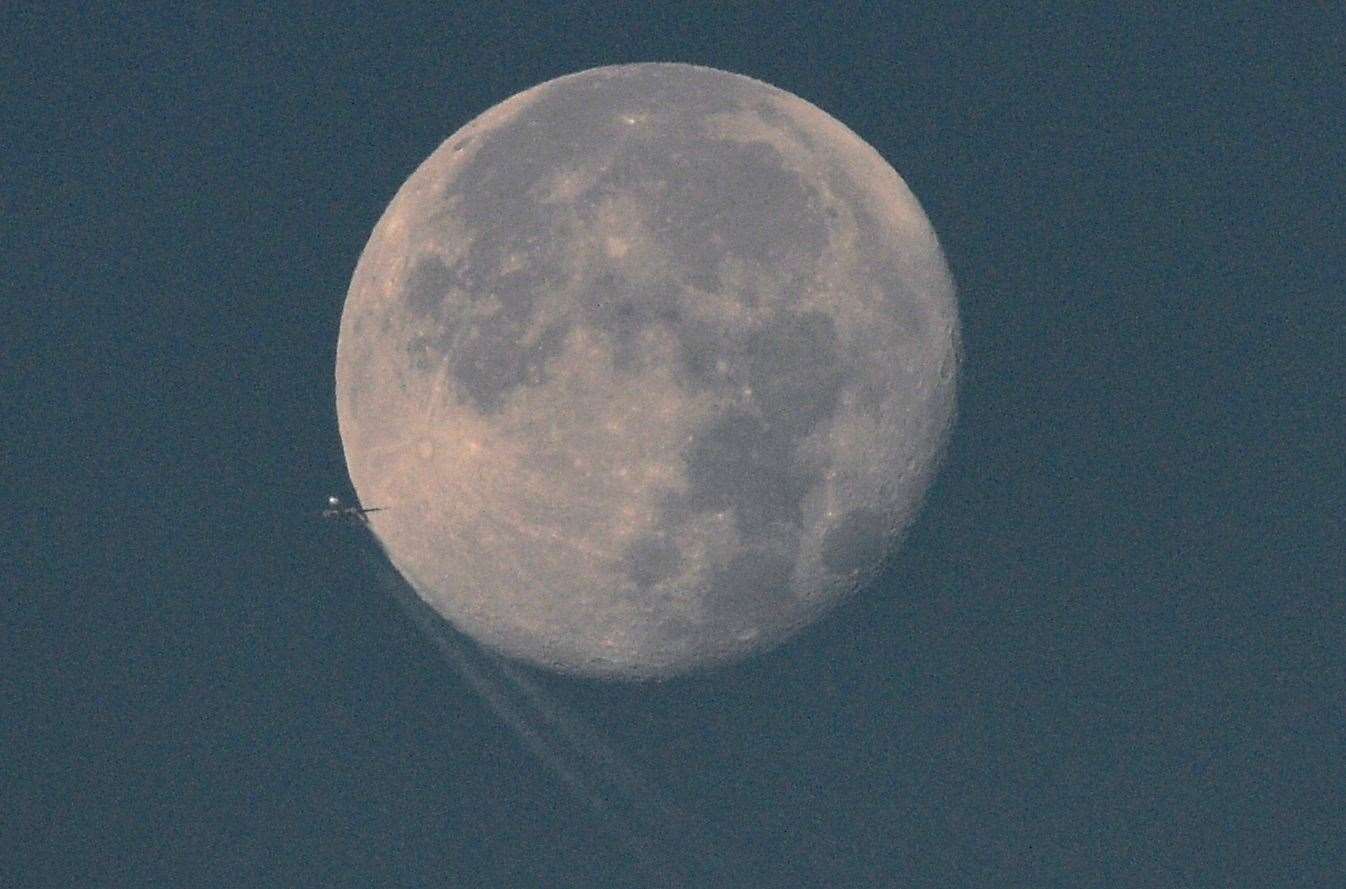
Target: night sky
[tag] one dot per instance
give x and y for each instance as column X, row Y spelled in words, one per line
column 1112, row 651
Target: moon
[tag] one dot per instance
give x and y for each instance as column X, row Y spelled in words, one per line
column 648, row 367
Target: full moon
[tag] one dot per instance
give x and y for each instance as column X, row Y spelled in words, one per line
column 648, row 367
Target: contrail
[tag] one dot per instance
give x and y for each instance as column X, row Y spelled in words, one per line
column 457, row 654
column 627, row 804
column 631, row 786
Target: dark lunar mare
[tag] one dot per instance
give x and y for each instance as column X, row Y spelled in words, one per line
column 701, row 228
column 745, row 462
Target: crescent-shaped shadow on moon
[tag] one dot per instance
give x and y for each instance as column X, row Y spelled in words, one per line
column 649, row 366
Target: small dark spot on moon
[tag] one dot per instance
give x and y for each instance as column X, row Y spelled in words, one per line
column 623, row 309
column 857, row 543
column 767, row 113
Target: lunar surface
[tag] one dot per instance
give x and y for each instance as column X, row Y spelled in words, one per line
column 648, row 366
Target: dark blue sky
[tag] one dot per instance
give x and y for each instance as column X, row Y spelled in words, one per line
column 1112, row 652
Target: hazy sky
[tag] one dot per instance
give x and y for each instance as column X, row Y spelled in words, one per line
column 1112, row 652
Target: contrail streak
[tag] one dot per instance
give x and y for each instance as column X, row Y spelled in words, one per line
column 628, row 805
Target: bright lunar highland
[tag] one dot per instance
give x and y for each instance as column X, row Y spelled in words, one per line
column 647, row 366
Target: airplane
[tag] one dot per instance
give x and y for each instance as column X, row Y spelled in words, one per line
column 335, row 510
